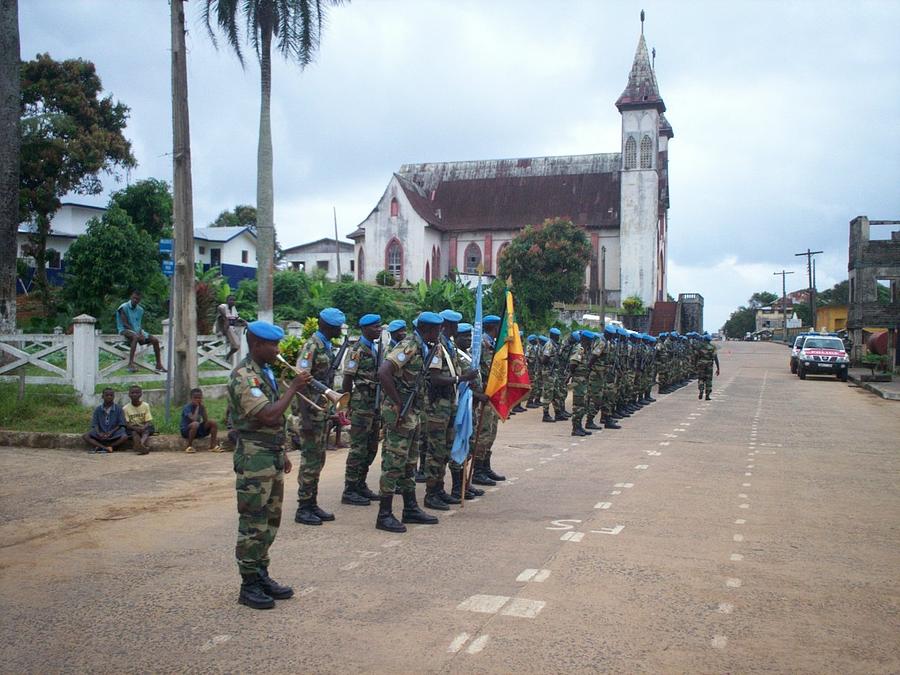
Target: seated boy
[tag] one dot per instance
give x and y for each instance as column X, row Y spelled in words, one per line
column 138, row 420
column 107, row 425
column 195, row 423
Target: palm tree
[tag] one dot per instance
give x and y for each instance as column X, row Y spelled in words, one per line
column 296, row 27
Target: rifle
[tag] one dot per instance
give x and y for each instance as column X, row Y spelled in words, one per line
column 335, row 362
column 376, row 423
column 417, row 384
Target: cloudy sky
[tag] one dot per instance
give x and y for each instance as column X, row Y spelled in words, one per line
column 785, row 113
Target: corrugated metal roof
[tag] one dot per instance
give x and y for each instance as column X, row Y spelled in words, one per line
column 221, row 234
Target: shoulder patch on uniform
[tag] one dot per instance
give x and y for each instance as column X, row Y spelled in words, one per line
column 351, row 364
column 304, row 363
column 256, row 392
column 401, row 357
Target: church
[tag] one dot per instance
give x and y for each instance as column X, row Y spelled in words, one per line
column 443, row 219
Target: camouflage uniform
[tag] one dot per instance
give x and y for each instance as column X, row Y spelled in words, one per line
column 551, row 377
column 258, row 464
column 401, row 442
column 533, row 361
column 487, row 430
column 362, row 364
column 704, row 359
column 597, row 380
column 440, row 412
column 580, row 374
column 311, row 425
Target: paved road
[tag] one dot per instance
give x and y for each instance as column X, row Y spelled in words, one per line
column 756, row 532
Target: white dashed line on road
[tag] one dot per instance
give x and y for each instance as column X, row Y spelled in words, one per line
column 458, row 643
column 735, row 557
column 733, row 582
column 478, row 644
column 573, row 537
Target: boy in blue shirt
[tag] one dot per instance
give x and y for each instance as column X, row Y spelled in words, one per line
column 107, row 425
column 195, row 423
column 128, row 324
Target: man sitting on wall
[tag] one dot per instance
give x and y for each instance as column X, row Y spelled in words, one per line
column 227, row 323
column 128, row 324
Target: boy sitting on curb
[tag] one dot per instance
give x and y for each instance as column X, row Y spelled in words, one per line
column 107, row 425
column 195, row 423
column 138, row 420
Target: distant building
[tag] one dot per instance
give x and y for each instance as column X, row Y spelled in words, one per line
column 770, row 318
column 322, row 255
column 442, row 219
column 232, row 249
column 831, row 318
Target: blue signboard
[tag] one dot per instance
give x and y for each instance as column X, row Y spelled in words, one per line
column 168, row 267
column 165, row 246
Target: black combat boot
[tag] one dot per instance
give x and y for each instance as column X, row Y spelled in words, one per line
column 352, row 496
column 700, row 395
column 493, row 475
column 707, row 397
column 559, row 415
column 533, row 404
column 272, row 587
column 518, row 408
column 363, row 490
column 432, row 498
column 456, row 486
column 649, row 398
column 591, row 424
column 610, row 423
column 305, row 514
column 565, row 413
column 480, row 477
column 412, row 513
column 253, row 594
column 323, row 515
column 444, row 495
column 547, row 417
column 577, row 429
column 385, row 520
column 419, row 476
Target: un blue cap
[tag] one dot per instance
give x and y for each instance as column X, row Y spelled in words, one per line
column 663, row 335
column 333, row 316
column 429, row 319
column 464, row 328
column 554, row 331
column 369, row 319
column 396, row 325
column 576, row 334
column 451, row 315
column 543, row 338
column 589, row 334
column 490, row 318
column 531, row 337
column 609, row 329
column 265, row 330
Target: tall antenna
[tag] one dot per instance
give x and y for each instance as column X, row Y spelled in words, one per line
column 642, row 22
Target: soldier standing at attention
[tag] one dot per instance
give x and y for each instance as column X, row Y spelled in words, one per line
column 397, row 329
column 484, row 474
column 402, row 377
column 707, row 354
column 531, row 361
column 361, row 379
column 549, row 368
column 463, row 343
column 260, row 461
column 580, row 369
column 317, row 356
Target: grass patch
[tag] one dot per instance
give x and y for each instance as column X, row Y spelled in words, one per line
column 55, row 409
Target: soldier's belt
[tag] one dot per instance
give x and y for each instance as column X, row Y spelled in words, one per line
column 262, row 437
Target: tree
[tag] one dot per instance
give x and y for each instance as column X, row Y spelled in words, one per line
column 10, row 139
column 106, row 263
column 149, row 205
column 741, row 322
column 546, row 263
column 242, row 215
column 296, row 26
column 633, row 306
column 69, row 136
column 839, row 294
column 762, row 299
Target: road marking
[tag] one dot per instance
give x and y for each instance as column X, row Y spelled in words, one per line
column 748, row 474
column 530, row 468
column 306, row 591
column 537, row 576
column 725, row 608
column 616, row 492
column 389, row 544
column 745, row 484
column 485, row 604
column 627, row 486
column 733, row 582
column 555, row 455
column 642, row 467
column 215, row 641
column 574, row 537
column 350, row 565
column 685, row 424
column 665, row 443
column 742, row 496
column 478, row 644
column 738, row 537
column 369, row 554
column 561, row 524
column 565, row 449
column 450, row 513
column 523, row 608
column 679, row 430
column 719, row 642
column 740, row 521
column 671, row 435
column 750, row 466
column 541, row 576
column 735, row 557
column 744, row 506
column 458, row 642
column 609, row 530
column 653, row 453
column 493, row 489
column 602, row 505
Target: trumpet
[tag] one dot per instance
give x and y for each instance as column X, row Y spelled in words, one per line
column 339, row 401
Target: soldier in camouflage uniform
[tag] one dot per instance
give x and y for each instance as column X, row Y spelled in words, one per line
column 531, row 360
column 361, row 378
column 579, row 366
column 551, row 375
column 706, row 356
column 402, row 379
column 317, row 355
column 486, row 432
column 463, row 343
column 260, row 461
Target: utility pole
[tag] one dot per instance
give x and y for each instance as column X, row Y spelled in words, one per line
column 337, row 244
column 184, row 354
column 603, row 285
column 812, row 290
column 783, row 274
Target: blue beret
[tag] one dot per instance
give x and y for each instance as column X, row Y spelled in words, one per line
column 429, row 319
column 609, row 329
column 369, row 319
column 589, row 334
column 554, row 331
column 576, row 334
column 396, row 325
column 663, row 335
column 543, row 338
column 490, row 318
column 265, row 330
column 333, row 316
column 464, row 328
column 531, row 337
column 450, row 315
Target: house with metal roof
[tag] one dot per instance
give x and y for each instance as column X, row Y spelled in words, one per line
column 442, row 219
column 333, row 258
column 232, row 249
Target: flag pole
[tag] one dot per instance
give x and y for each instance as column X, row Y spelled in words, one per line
column 469, row 465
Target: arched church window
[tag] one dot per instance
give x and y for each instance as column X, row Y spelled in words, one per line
column 646, row 153
column 361, row 265
column 393, row 259
column 500, row 252
column 472, row 258
column 427, row 272
column 630, row 153
column 395, row 208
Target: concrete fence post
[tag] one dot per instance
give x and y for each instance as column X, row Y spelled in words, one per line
column 295, row 328
column 84, row 355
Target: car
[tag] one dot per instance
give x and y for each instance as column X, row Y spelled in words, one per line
column 822, row 355
column 795, row 349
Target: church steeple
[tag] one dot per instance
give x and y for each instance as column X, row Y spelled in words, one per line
column 641, row 90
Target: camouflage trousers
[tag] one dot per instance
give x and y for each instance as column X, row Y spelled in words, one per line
column 363, row 445
column 438, row 439
column 487, row 433
column 312, row 459
column 580, row 397
column 260, row 493
column 598, row 394
column 400, row 451
column 554, row 391
column 705, row 379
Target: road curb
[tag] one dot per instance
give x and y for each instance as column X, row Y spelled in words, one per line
column 50, row 441
column 874, row 388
